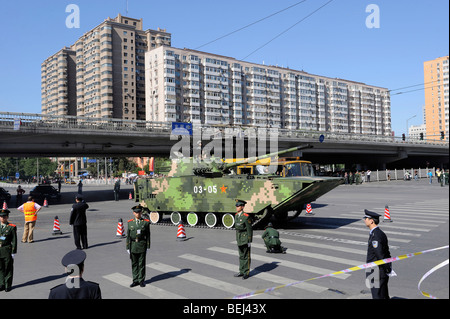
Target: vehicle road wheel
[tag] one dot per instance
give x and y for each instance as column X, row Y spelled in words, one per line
column 228, row 220
column 192, row 219
column 211, row 220
column 175, row 218
column 154, row 217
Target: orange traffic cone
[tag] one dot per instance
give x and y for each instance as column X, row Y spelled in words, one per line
column 387, row 215
column 130, row 196
column 45, row 202
column 56, row 228
column 309, row 210
column 5, row 206
column 120, row 233
column 181, row 234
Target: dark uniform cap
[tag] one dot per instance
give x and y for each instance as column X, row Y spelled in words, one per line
column 240, row 202
column 369, row 214
column 137, row 209
column 75, row 257
column 4, row 212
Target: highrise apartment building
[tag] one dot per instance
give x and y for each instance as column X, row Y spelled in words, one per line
column 192, row 86
column 58, row 79
column 102, row 74
column 436, row 97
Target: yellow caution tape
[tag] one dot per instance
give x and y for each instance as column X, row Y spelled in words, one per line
column 345, row 271
column 432, row 270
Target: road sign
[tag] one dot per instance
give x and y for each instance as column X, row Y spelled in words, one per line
column 321, row 138
column 181, row 128
column 17, row 123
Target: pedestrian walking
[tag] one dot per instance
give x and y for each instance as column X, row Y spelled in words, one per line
column 75, row 287
column 377, row 249
column 78, row 221
column 30, row 210
column 8, row 249
column 116, row 190
column 430, row 176
column 368, row 175
column 80, row 187
column 20, row 191
column 244, row 236
column 137, row 245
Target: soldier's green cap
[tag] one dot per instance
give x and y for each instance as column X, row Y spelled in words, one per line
column 137, row 209
column 240, row 202
column 4, row 212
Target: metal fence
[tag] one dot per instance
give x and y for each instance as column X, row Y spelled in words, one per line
column 399, row 174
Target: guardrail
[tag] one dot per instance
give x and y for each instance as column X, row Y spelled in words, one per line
column 44, row 121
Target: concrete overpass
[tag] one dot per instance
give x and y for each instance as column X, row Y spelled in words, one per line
column 38, row 135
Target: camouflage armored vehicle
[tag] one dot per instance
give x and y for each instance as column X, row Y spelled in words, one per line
column 198, row 193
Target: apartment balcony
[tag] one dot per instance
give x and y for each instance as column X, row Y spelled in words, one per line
column 194, row 95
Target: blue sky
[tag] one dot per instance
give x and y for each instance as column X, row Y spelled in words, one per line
column 333, row 42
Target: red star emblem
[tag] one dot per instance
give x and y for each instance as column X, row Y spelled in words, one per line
column 223, row 189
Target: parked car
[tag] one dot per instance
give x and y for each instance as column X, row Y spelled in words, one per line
column 4, row 196
column 42, row 192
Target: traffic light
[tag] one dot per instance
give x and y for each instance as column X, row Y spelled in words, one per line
column 403, row 137
column 421, row 136
column 442, row 135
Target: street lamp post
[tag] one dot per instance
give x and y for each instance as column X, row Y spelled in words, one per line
column 407, row 128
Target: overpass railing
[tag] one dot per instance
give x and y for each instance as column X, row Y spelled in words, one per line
column 54, row 122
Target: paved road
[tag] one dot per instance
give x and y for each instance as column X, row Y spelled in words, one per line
column 335, row 238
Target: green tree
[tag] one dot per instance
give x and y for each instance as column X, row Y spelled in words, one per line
column 29, row 167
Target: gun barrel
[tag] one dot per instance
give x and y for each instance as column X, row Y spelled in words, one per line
column 257, row 158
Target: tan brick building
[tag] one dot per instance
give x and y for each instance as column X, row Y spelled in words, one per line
column 436, row 97
column 101, row 74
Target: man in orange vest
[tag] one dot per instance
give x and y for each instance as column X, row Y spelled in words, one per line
column 30, row 210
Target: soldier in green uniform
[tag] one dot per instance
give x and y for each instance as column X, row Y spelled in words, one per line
column 244, row 236
column 271, row 239
column 8, row 248
column 137, row 244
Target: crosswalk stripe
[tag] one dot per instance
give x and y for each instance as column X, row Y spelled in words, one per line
column 420, row 213
column 366, row 236
column 285, row 263
column 391, row 225
column 254, row 273
column 423, row 222
column 405, row 212
column 364, row 229
column 323, row 246
column 149, row 291
column 347, row 262
column 200, row 279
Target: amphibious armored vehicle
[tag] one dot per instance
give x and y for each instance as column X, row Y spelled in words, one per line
column 202, row 193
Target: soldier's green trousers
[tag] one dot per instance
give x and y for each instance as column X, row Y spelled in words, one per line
column 138, row 266
column 244, row 259
column 6, row 271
